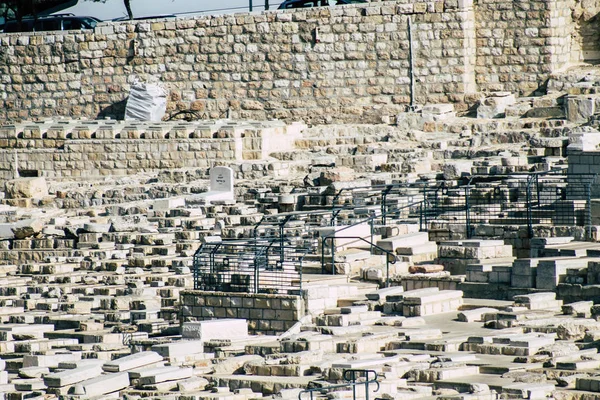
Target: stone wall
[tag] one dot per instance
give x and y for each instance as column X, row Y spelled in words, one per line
column 265, row 313
column 101, row 148
column 519, row 43
column 346, row 63
column 586, row 36
column 342, row 64
column 586, row 163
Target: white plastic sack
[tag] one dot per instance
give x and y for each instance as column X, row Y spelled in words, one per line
column 146, row 102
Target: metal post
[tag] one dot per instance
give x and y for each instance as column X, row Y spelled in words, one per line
column 425, row 211
column 371, row 226
column 537, row 189
column 467, row 216
column 323, row 255
column 383, row 207
column 266, row 4
column 333, row 256
column 195, row 269
column 387, row 271
column 250, row 5
column 281, row 242
column 589, row 210
column 529, row 212
column 256, row 274
column 412, row 64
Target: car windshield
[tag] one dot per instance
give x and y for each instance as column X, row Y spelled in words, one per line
column 91, row 22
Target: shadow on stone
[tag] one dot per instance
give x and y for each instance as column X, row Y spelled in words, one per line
column 114, row 111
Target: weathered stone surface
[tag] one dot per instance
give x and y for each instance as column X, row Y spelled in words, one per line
column 337, row 174
column 575, row 330
column 26, row 228
column 217, row 329
column 72, row 376
column 103, row 384
column 136, row 360
column 26, row 188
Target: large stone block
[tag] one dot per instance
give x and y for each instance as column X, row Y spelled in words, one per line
column 495, row 105
column 179, row 349
column 26, row 188
column 580, row 108
column 136, row 360
column 215, row 329
column 103, row 384
column 72, row 376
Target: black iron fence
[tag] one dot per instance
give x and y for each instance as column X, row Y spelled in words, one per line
column 249, row 267
column 360, row 381
column 271, row 261
column 555, row 199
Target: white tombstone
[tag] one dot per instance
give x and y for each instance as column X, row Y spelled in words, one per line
column 221, row 179
column 221, row 186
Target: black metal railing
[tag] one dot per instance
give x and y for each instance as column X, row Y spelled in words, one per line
column 271, row 261
column 262, row 266
column 518, row 199
column 341, row 233
column 369, row 197
column 355, row 379
column 298, row 228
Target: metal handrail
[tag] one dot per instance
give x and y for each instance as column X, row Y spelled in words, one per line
column 287, row 216
column 352, row 383
column 375, row 216
column 387, row 252
column 526, row 174
column 369, row 219
column 335, row 210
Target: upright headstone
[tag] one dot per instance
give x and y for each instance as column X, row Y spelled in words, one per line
column 221, row 179
column 221, row 186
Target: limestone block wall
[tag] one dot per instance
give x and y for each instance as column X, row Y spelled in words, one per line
column 519, row 43
column 584, row 162
column 330, row 64
column 586, row 36
column 96, row 149
column 265, row 313
column 587, row 163
column 342, row 64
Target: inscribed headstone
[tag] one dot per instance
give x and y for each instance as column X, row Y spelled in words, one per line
column 221, row 179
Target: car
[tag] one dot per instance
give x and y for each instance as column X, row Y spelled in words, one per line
column 287, row 4
column 56, row 22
